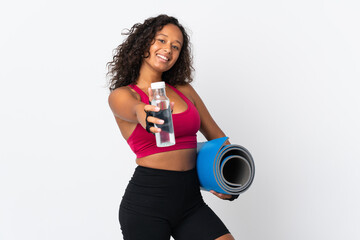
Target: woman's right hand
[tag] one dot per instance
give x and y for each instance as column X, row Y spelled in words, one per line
column 152, row 108
column 152, row 120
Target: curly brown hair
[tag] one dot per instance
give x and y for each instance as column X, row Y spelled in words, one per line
column 128, row 56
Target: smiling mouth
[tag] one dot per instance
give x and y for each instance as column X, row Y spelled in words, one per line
column 162, row 57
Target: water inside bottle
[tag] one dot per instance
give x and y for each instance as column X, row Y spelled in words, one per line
column 166, row 136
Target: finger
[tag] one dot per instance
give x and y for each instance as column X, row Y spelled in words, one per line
column 215, row 193
column 151, row 94
column 151, row 108
column 155, row 129
column 172, row 106
column 155, row 120
column 226, row 196
column 221, row 195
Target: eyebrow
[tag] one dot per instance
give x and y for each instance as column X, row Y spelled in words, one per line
column 168, row 36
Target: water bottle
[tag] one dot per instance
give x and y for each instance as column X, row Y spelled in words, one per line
column 166, row 137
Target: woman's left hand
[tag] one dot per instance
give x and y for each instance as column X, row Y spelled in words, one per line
column 221, row 195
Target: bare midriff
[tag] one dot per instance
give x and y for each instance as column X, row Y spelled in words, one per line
column 177, row 160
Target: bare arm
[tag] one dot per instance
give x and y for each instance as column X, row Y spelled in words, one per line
column 126, row 106
column 208, row 127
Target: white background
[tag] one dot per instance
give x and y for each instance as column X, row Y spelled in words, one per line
column 280, row 78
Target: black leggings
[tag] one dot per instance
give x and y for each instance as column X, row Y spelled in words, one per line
column 158, row 204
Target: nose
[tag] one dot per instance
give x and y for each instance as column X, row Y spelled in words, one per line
column 167, row 48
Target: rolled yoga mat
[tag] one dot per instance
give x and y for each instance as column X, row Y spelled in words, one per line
column 224, row 168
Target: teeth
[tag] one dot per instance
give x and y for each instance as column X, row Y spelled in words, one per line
column 163, row 57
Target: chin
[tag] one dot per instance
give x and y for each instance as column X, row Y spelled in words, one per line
column 162, row 69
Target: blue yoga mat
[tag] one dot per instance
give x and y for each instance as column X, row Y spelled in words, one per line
column 224, row 168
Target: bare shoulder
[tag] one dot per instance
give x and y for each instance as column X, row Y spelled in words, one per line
column 122, row 94
column 188, row 91
column 185, row 88
column 123, row 102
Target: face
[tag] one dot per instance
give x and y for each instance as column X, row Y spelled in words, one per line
column 165, row 49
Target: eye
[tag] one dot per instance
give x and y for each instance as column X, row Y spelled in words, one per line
column 161, row 40
column 175, row 47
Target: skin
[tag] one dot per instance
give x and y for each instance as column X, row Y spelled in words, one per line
column 129, row 110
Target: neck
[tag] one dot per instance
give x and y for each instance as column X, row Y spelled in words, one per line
column 147, row 76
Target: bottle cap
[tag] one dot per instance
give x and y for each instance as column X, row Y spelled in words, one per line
column 157, row 85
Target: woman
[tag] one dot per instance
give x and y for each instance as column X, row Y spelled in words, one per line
column 163, row 198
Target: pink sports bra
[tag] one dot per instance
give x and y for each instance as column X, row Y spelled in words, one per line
column 186, row 125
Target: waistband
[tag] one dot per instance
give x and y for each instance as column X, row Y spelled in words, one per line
column 163, row 172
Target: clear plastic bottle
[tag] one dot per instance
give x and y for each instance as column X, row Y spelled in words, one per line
column 166, row 137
